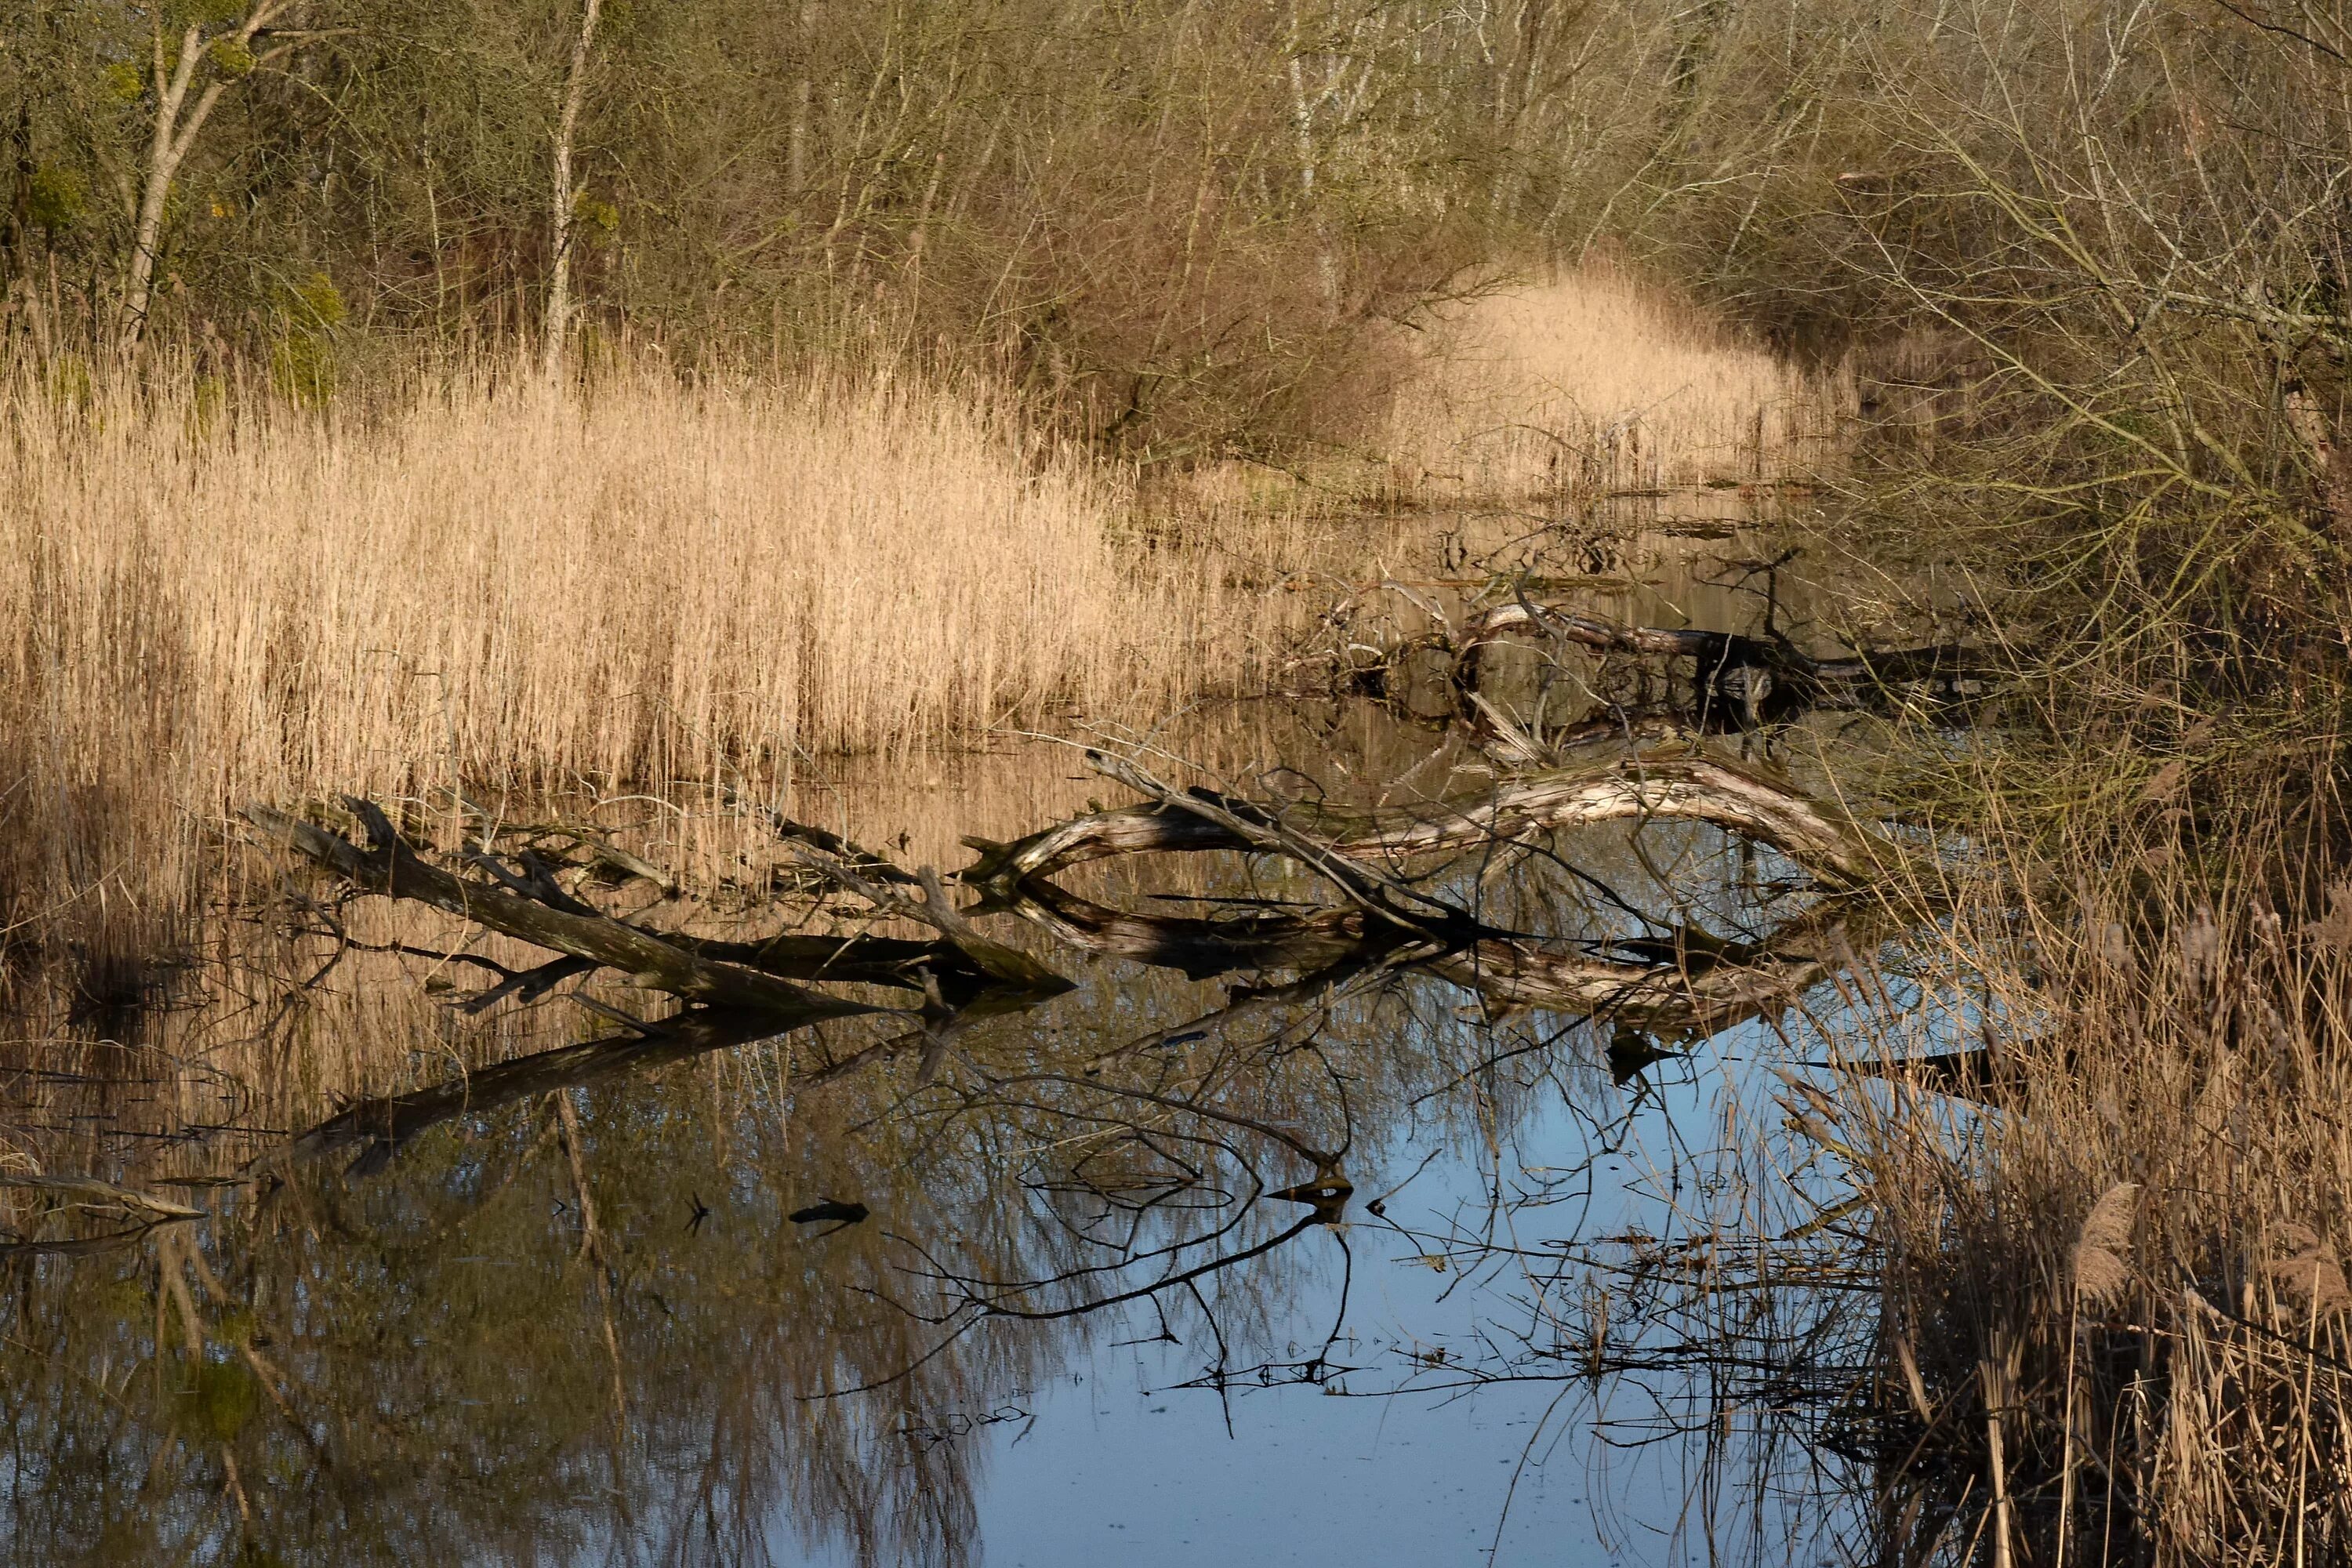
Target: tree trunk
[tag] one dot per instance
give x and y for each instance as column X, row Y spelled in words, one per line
column 803, row 98
column 558, row 323
column 177, row 121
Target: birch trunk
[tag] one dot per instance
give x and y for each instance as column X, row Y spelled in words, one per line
column 177, row 121
column 557, row 325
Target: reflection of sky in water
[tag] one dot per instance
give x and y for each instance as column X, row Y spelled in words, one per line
column 1116, row 1461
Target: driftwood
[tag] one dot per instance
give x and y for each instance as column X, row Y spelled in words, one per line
column 1677, row 982
column 1673, row 981
column 991, row 959
column 388, row 867
column 1684, row 995
column 1198, row 948
column 1837, row 849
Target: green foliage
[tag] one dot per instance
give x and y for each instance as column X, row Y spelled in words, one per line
column 232, row 57
column 304, row 360
column 125, row 82
column 593, row 216
column 55, row 198
column 315, row 305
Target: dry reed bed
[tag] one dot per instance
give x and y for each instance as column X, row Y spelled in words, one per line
column 2123, row 1285
column 1598, row 381
column 511, row 591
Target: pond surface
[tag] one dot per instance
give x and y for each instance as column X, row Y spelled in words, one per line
column 1341, row 1261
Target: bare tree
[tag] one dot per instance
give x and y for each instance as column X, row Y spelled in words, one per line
column 224, row 59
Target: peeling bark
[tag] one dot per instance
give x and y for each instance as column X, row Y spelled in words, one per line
column 557, row 326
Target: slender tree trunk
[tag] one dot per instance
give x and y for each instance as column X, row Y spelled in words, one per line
column 16, row 234
column 177, row 121
column 803, row 97
column 558, row 323
column 163, row 151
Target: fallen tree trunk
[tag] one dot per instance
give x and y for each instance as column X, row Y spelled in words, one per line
column 1672, row 998
column 1200, row 949
column 1824, row 840
column 388, row 867
column 1683, row 981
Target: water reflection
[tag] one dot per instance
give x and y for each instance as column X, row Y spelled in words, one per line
column 508, row 1261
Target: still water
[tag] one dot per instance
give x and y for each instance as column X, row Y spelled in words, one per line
column 1333, row 1261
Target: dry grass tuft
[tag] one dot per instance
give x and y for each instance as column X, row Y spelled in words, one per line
column 1597, row 382
column 503, row 591
column 2102, row 1251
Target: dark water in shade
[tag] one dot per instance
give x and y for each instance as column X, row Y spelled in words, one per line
column 1077, row 1322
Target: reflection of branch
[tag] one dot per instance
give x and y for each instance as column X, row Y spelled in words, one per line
column 105, row 1193
column 1324, row 1163
column 989, row 1308
column 381, row 1127
column 1199, row 947
column 1682, row 979
column 595, row 1251
column 81, row 1247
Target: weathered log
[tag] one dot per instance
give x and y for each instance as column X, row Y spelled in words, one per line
column 1701, row 999
column 841, row 960
column 990, row 958
column 1824, row 840
column 388, row 867
column 1392, row 902
column 1680, row 981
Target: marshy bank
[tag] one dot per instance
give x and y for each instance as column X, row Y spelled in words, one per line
column 1686, row 1008
column 473, row 585
column 1788, row 874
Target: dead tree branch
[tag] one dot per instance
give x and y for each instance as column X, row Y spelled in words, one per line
column 390, row 868
column 1825, row 840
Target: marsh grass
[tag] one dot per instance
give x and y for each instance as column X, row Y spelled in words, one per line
column 2112, row 1272
column 1596, row 380
column 472, row 584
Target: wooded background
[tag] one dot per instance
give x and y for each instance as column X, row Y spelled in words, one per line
column 1176, row 220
